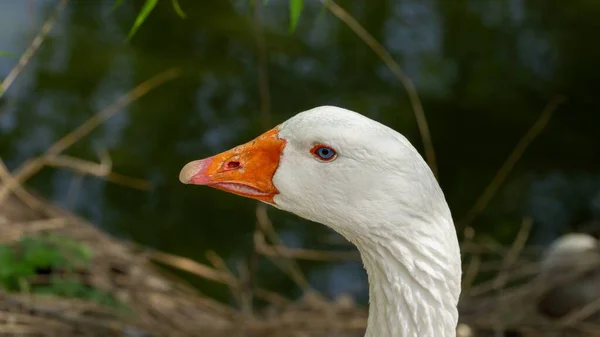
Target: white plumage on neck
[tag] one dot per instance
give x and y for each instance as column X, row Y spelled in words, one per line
column 412, row 289
column 380, row 195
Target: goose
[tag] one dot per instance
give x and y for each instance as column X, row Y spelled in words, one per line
column 366, row 181
column 575, row 257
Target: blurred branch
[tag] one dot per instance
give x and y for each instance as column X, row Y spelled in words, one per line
column 395, row 68
column 474, row 265
column 7, row 179
column 18, row 230
column 34, row 165
column 102, row 170
column 286, row 263
column 111, row 110
column 512, row 160
column 514, row 252
column 220, row 265
column 581, row 314
column 195, row 268
column 301, row 254
column 32, row 49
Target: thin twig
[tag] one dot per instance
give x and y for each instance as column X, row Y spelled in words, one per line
column 514, row 252
column 581, row 314
column 474, row 264
column 32, row 166
column 511, row 161
column 102, row 169
column 303, row 254
column 246, row 287
column 7, row 179
column 220, row 265
column 18, row 230
column 88, row 126
column 290, row 267
column 32, row 49
column 211, row 274
column 395, row 68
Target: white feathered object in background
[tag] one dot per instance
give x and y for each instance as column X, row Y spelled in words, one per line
column 573, row 261
column 367, row 182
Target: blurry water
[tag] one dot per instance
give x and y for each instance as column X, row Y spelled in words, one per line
column 484, row 71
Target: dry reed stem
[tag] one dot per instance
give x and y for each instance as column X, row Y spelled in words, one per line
column 246, row 288
column 88, row 126
column 302, row 254
column 471, row 272
column 289, row 266
column 192, row 267
column 32, row 166
column 32, row 49
column 18, row 230
column 102, row 170
column 517, row 274
column 220, row 265
column 195, row 268
column 511, row 161
column 82, row 166
column 514, row 253
column 473, row 267
column 127, row 181
column 395, row 68
column 7, row 179
column 581, row 314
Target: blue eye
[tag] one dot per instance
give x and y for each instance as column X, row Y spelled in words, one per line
column 323, row 152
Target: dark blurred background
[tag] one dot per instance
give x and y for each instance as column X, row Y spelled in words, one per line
column 484, row 69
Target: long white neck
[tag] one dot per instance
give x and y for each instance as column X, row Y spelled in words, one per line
column 414, row 281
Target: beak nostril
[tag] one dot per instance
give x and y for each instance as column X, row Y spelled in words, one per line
column 233, row 164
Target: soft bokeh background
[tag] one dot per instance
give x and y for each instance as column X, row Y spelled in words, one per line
column 485, row 69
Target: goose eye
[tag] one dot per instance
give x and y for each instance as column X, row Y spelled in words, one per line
column 323, row 152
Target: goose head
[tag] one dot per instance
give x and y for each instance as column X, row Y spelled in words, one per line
column 327, row 165
column 366, row 181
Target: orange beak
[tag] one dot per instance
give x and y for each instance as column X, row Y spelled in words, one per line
column 245, row 170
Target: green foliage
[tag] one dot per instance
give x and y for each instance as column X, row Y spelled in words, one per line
column 6, row 54
column 149, row 5
column 73, row 287
column 56, row 256
column 146, row 10
column 19, row 262
column 177, row 9
column 296, row 7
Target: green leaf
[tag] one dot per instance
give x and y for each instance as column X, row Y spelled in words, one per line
column 6, row 54
column 142, row 16
column 178, row 9
column 117, row 4
column 295, row 11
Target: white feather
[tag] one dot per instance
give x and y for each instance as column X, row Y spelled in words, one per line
column 380, row 194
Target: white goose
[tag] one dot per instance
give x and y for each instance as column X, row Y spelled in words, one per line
column 367, row 182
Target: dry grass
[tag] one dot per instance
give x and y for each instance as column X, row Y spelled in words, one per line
column 164, row 305
column 32, row 49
